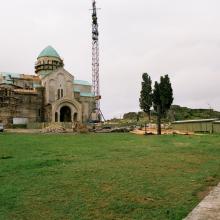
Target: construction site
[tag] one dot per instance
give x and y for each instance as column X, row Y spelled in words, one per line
column 52, row 94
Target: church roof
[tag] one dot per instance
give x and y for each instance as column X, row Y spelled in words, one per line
column 49, row 52
column 10, row 74
column 8, row 77
column 82, row 82
column 86, row 94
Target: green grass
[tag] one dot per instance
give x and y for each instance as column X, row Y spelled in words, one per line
column 106, row 176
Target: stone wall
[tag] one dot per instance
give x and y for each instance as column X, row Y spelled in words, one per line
column 58, row 85
column 16, row 104
column 37, row 125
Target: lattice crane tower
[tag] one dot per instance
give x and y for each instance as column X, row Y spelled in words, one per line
column 95, row 59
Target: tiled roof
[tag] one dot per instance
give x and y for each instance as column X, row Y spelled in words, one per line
column 8, row 77
column 82, row 82
column 86, row 94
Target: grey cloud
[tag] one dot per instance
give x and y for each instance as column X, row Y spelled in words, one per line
column 181, row 38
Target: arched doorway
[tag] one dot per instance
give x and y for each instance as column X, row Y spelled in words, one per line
column 65, row 114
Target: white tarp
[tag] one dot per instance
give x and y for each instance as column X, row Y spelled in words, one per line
column 20, row 121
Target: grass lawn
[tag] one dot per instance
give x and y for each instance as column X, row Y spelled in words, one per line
column 105, row 176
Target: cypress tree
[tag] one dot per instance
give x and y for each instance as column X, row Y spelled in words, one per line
column 146, row 94
column 162, row 99
column 166, row 94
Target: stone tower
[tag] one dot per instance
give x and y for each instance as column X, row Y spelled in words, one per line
column 47, row 61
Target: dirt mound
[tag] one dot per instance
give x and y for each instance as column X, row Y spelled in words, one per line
column 164, row 131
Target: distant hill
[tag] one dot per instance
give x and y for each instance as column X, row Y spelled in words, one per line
column 183, row 113
column 177, row 113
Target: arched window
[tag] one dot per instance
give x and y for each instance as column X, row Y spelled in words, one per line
column 58, row 93
column 52, row 90
column 75, row 117
column 56, row 117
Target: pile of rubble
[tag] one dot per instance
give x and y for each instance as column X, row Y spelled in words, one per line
column 54, row 128
column 151, row 131
column 114, row 130
column 80, row 128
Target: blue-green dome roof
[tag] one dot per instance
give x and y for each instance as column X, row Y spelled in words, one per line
column 49, row 52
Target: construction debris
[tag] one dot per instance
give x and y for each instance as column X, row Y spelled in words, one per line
column 54, row 128
column 164, row 131
column 82, row 129
column 114, row 130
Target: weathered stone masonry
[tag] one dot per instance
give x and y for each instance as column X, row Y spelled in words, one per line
column 51, row 95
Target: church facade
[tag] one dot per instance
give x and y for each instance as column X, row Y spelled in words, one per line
column 51, row 95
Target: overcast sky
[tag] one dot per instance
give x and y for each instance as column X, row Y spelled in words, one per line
column 176, row 37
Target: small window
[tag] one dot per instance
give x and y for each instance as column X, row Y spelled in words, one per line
column 58, row 93
column 61, row 93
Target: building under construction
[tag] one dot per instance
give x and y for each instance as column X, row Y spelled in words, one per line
column 50, row 95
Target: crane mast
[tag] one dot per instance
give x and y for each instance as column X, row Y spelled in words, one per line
column 95, row 61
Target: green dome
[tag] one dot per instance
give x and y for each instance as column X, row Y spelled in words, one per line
column 49, row 52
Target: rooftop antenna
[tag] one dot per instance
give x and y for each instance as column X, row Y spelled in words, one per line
column 95, row 63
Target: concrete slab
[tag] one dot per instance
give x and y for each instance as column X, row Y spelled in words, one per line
column 209, row 208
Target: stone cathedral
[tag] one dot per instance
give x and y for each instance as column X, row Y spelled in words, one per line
column 52, row 94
